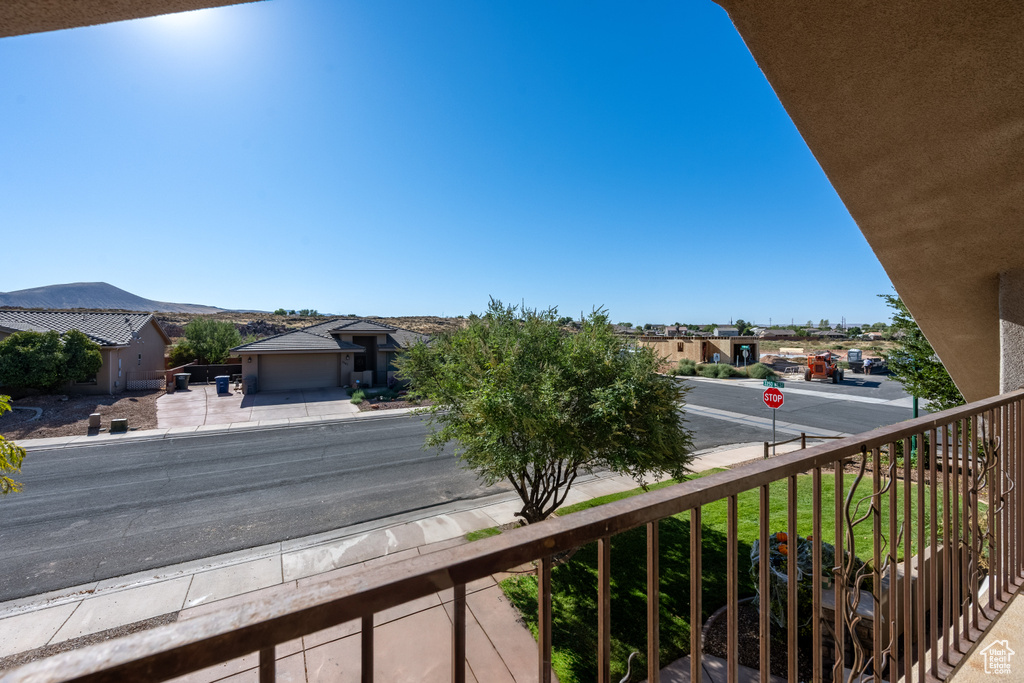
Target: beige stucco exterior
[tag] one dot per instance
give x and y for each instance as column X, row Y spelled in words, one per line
column 702, row 349
column 377, row 365
column 914, row 111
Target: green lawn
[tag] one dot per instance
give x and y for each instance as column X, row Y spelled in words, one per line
column 574, row 593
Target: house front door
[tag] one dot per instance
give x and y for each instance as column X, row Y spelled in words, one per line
column 360, row 362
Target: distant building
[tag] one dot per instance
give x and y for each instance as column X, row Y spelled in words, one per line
column 725, row 331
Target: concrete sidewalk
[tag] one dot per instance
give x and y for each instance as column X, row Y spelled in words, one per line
column 412, row 641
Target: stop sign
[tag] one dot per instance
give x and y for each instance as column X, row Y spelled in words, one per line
column 773, row 398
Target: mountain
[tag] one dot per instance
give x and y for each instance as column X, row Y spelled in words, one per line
column 95, row 295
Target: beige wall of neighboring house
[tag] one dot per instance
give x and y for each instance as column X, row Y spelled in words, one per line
column 702, row 349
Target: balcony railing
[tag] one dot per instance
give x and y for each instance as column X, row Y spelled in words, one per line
column 901, row 615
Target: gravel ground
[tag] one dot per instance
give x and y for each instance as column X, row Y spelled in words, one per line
column 68, row 415
column 22, row 658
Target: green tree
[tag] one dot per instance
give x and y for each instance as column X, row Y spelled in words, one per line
column 11, row 456
column 32, row 360
column 210, row 341
column 47, row 360
column 913, row 362
column 280, row 311
column 526, row 400
column 82, row 357
column 855, row 331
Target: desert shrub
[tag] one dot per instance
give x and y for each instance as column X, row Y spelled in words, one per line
column 358, row 396
column 761, row 371
column 727, row 371
column 708, row 370
column 686, row 367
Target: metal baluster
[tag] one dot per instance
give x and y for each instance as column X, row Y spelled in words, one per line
column 653, row 604
column 459, row 633
column 764, row 587
column 696, row 589
column 604, row 606
column 544, row 619
column 732, row 592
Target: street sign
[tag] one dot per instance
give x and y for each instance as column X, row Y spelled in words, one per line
column 773, row 383
column 773, row 398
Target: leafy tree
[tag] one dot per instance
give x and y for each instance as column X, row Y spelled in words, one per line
column 913, row 362
column 47, row 360
column 743, row 327
column 855, row 331
column 82, row 357
column 280, row 311
column 11, row 456
column 180, row 354
column 210, row 341
column 32, row 359
column 530, row 402
column 823, row 324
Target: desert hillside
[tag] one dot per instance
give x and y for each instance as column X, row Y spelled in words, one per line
column 92, row 296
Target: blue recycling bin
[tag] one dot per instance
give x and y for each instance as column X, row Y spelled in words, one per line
column 222, row 383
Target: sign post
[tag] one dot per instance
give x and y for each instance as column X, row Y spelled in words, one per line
column 774, row 399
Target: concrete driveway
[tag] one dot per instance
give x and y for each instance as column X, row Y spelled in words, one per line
column 200, row 405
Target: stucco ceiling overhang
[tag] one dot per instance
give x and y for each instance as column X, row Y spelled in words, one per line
column 915, row 111
column 18, row 17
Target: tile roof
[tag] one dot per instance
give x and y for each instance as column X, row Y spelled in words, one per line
column 357, row 325
column 106, row 329
column 319, row 337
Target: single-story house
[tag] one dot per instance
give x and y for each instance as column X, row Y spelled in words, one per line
column 133, row 345
column 334, row 353
column 726, row 331
column 703, row 349
column 777, row 334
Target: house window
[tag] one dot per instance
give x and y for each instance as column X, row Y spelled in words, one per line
column 140, row 359
column 680, row 346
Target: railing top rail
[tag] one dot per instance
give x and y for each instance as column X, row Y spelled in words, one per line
column 194, row 644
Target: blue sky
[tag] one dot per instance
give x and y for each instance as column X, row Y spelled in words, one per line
column 415, row 158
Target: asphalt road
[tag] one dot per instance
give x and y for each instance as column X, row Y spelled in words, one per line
column 859, row 404
column 96, row 512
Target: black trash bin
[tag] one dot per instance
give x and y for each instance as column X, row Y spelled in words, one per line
column 222, row 383
column 181, row 380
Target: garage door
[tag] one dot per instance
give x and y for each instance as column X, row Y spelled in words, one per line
column 298, row 371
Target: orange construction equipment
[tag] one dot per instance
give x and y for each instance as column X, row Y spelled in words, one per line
column 823, row 365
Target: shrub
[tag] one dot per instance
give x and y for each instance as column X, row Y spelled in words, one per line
column 708, row 370
column 47, row 360
column 180, row 354
column 686, row 367
column 761, row 371
column 358, row 396
column 727, row 371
